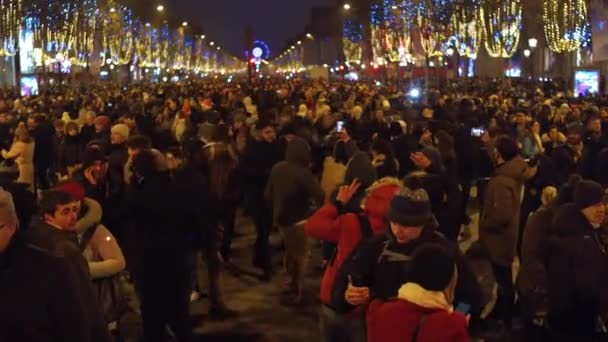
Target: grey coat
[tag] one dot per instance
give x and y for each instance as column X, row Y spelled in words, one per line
column 499, row 221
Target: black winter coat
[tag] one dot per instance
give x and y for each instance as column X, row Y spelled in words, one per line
column 70, row 152
column 382, row 266
column 45, row 299
column 64, row 244
column 577, row 274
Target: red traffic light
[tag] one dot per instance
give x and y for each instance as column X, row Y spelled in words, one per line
column 252, row 61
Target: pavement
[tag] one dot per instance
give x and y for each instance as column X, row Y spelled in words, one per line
column 263, row 317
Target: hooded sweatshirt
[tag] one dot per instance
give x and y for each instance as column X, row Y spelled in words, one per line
column 292, row 186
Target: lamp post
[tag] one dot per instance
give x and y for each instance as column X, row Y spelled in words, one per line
column 532, row 44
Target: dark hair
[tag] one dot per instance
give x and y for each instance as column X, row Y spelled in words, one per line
column 51, row 199
column 144, row 164
column 432, row 267
column 506, row 147
column 141, row 142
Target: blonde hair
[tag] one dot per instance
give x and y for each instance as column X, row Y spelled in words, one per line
column 548, row 195
column 22, row 134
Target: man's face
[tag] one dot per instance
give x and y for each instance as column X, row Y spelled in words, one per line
column 31, row 124
column 405, row 234
column 133, row 152
column 64, row 216
column 268, row 134
column 595, row 126
column 6, row 234
column 595, row 214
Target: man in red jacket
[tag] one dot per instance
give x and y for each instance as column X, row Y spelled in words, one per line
column 329, row 224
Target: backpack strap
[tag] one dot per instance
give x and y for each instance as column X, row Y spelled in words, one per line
column 418, row 327
column 365, row 227
column 86, row 237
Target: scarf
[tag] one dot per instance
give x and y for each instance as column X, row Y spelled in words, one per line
column 420, row 296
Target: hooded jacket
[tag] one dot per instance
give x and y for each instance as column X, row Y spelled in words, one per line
column 328, row 224
column 499, row 220
column 102, row 252
column 396, row 320
column 291, row 185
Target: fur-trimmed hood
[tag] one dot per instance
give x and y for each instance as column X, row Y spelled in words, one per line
column 378, row 196
column 92, row 215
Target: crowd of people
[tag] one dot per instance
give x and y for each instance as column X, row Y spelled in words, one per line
column 112, row 195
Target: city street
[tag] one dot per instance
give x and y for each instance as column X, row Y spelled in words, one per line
column 263, row 317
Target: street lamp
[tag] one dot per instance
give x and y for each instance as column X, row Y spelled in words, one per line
column 160, row 8
column 112, row 10
column 309, row 36
column 299, row 42
column 212, row 43
column 185, row 23
column 527, row 53
column 219, row 48
column 202, row 36
column 532, row 43
column 347, row 6
column 147, row 24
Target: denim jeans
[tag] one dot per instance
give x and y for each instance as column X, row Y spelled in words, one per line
column 336, row 327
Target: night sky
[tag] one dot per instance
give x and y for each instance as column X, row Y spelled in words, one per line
column 273, row 21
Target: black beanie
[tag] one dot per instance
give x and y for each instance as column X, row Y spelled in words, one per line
column 410, row 207
column 91, row 155
column 588, row 193
column 432, row 267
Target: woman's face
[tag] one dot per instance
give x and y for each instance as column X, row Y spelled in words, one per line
column 536, row 128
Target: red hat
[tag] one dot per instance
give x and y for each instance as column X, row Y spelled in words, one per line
column 74, row 189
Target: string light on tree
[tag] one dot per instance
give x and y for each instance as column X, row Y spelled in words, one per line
column 10, row 25
column 501, row 21
column 466, row 27
column 565, row 23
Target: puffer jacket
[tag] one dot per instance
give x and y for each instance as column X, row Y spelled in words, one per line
column 328, row 224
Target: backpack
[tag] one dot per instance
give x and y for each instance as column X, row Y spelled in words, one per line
column 337, row 301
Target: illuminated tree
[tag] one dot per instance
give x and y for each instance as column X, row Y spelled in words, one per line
column 501, row 22
column 10, row 24
column 565, row 23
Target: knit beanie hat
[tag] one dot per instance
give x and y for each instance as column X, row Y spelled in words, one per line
column 587, row 194
column 122, row 130
column 410, row 208
column 432, row 267
column 74, row 189
column 91, row 155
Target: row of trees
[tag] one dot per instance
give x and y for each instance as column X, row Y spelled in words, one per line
column 108, row 31
column 403, row 29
